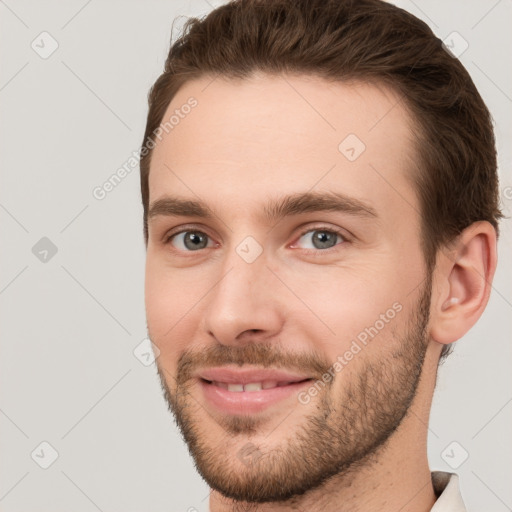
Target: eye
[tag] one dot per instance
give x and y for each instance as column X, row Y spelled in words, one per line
column 189, row 241
column 317, row 238
column 321, row 238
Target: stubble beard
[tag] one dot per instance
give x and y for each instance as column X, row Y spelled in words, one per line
column 341, row 436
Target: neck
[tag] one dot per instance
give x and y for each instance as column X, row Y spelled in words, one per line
column 396, row 477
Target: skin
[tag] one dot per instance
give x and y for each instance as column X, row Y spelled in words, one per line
column 298, row 306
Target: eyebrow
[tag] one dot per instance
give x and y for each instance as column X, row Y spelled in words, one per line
column 274, row 210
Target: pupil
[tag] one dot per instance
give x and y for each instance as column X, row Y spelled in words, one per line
column 194, row 240
column 322, row 239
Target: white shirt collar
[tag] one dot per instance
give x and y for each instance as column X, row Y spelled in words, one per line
column 446, row 487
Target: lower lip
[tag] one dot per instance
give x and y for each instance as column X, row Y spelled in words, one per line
column 248, row 402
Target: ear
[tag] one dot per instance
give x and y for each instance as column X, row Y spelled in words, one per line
column 462, row 282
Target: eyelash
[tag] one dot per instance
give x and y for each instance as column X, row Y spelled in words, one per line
column 315, row 252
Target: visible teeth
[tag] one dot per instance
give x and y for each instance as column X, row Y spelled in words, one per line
column 253, row 386
column 235, row 387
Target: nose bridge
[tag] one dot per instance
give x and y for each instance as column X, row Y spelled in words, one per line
column 244, row 271
column 244, row 267
column 243, row 297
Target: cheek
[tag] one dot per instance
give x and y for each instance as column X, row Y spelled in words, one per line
column 349, row 305
column 170, row 305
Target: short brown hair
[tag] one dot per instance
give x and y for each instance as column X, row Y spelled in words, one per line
column 347, row 40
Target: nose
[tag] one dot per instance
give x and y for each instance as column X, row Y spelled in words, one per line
column 245, row 304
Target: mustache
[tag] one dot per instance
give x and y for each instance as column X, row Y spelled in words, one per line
column 254, row 354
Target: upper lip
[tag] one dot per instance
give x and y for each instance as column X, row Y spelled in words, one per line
column 233, row 376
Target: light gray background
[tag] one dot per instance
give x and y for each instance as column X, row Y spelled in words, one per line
column 69, row 326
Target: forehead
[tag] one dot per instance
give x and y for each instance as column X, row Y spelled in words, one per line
column 245, row 138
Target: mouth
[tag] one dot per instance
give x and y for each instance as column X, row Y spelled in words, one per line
column 252, row 387
column 249, row 391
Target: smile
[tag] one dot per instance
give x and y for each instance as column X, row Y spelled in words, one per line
column 232, row 392
column 251, row 386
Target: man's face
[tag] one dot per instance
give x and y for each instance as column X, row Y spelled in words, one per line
column 329, row 305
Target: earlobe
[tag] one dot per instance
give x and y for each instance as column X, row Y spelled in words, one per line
column 464, row 278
